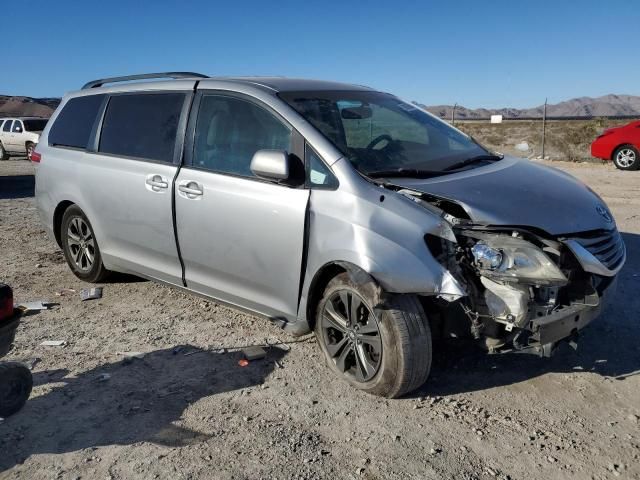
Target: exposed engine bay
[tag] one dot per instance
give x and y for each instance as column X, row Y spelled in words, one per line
column 524, row 291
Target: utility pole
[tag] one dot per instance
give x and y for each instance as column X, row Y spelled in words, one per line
column 453, row 114
column 544, row 124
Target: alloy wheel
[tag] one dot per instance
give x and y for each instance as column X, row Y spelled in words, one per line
column 626, row 157
column 351, row 335
column 81, row 244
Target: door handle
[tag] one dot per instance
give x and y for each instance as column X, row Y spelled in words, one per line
column 190, row 189
column 157, row 183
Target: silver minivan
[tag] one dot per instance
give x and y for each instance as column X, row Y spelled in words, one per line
column 327, row 207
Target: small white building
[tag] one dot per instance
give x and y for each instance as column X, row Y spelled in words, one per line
column 496, row 118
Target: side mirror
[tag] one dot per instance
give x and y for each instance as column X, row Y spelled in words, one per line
column 270, row 164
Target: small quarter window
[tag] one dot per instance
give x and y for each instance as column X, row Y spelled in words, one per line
column 319, row 175
column 230, row 130
column 142, row 125
column 7, row 126
column 73, row 125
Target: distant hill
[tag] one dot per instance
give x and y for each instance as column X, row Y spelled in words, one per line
column 27, row 106
column 607, row 106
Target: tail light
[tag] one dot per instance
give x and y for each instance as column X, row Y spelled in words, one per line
column 6, row 302
column 35, row 157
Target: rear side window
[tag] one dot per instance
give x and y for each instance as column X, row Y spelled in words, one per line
column 142, row 125
column 72, row 127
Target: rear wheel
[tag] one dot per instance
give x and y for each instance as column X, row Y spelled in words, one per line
column 384, row 350
column 626, row 157
column 16, row 383
column 81, row 247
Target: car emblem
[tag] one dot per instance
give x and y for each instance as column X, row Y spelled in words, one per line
column 605, row 214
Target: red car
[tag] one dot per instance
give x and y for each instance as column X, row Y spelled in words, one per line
column 620, row 144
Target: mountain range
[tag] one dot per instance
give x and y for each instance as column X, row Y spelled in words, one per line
column 606, row 106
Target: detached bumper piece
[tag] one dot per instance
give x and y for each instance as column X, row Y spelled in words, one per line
column 545, row 333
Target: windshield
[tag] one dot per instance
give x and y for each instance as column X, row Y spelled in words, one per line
column 34, row 125
column 378, row 132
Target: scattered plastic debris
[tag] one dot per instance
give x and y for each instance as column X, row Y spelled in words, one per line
column 103, row 377
column 278, row 364
column 33, row 306
column 65, row 291
column 53, row 343
column 254, row 353
column 32, row 362
column 131, row 356
column 243, row 362
column 90, row 293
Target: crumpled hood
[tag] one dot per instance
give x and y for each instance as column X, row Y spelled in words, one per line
column 519, row 192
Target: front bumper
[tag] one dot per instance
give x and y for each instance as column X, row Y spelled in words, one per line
column 545, row 333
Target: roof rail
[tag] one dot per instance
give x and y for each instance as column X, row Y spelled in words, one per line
column 100, row 82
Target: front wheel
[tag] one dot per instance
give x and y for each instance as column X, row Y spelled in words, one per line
column 16, row 383
column 81, row 247
column 626, row 158
column 383, row 349
column 3, row 153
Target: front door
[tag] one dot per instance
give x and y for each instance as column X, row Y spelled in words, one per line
column 241, row 238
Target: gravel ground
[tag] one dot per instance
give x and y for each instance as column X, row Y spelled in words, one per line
column 186, row 410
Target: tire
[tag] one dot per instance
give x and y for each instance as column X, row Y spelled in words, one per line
column 3, row 153
column 16, row 383
column 626, row 157
column 80, row 246
column 29, row 146
column 403, row 360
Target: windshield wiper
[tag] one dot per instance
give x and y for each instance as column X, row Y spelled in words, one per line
column 405, row 172
column 476, row 159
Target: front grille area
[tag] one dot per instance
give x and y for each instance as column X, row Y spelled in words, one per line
column 606, row 245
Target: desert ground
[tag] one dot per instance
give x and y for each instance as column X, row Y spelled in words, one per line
column 187, row 410
column 564, row 139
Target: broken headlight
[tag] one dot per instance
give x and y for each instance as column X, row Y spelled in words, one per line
column 512, row 259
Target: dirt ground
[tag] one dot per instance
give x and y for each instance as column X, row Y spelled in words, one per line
column 564, row 139
column 188, row 411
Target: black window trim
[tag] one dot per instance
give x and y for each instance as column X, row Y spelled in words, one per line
column 297, row 140
column 96, row 133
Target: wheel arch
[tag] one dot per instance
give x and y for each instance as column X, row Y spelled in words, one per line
column 57, row 219
column 615, row 149
column 322, row 278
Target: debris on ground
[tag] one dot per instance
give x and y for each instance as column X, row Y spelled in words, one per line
column 53, row 343
column 131, row 356
column 90, row 293
column 243, row 362
column 33, row 306
column 254, row 353
column 65, row 291
column 103, row 377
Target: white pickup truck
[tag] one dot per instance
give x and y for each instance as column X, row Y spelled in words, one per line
column 18, row 136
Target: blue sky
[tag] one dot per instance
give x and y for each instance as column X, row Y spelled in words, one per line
column 476, row 53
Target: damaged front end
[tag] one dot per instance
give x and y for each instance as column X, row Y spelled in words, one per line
column 524, row 291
